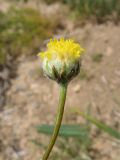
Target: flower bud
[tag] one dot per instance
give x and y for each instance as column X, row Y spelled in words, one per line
column 61, row 60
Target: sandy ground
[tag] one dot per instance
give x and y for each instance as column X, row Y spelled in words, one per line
column 32, row 97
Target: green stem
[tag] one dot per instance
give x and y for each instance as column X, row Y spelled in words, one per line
column 62, row 98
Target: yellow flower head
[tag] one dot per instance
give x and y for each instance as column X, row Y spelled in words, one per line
column 61, row 59
column 62, row 49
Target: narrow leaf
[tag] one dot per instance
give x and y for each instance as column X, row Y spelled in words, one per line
column 111, row 131
column 65, row 130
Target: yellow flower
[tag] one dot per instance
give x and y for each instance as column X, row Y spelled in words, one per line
column 62, row 49
column 61, row 59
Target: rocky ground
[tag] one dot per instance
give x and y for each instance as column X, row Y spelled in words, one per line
column 6, row 73
column 32, row 98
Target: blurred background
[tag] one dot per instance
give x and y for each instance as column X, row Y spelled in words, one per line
column 27, row 98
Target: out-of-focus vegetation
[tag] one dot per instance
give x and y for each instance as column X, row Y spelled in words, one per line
column 72, row 138
column 97, row 57
column 22, row 31
column 95, row 8
column 72, row 148
column 52, row 1
column 75, row 137
column 99, row 10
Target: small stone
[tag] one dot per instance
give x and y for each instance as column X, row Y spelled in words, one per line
column 109, row 51
column 104, row 80
column 4, row 74
column 21, row 153
column 77, row 88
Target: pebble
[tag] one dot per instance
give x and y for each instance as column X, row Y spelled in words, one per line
column 4, row 74
column 77, row 88
column 104, row 80
column 109, row 51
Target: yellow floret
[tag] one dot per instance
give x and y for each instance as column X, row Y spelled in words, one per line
column 62, row 50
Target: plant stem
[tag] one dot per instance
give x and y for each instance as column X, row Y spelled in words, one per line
column 61, row 104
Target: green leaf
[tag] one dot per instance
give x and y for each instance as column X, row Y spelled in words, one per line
column 111, row 131
column 65, row 130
